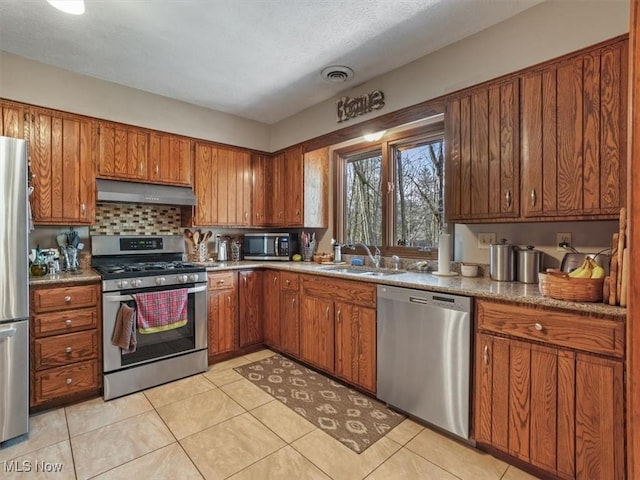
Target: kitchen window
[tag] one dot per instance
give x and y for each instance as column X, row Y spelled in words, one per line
column 391, row 193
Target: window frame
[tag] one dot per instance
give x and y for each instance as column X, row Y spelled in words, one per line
column 387, row 147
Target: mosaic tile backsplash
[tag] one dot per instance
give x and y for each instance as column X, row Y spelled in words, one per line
column 136, row 219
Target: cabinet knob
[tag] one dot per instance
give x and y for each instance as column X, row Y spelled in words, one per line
column 339, row 316
column 246, row 215
column 275, row 280
column 68, row 381
column 67, row 299
column 220, row 282
column 83, row 209
column 68, row 322
column 539, row 327
column 485, row 354
column 507, row 198
column 157, row 169
column 326, row 313
column 67, row 350
column 533, row 197
column 288, row 282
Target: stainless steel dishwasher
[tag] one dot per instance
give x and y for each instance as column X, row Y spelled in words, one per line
column 424, row 350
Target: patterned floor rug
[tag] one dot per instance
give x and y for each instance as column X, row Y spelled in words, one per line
column 347, row 415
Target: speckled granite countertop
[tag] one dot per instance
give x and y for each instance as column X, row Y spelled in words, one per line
column 480, row 287
column 66, row 278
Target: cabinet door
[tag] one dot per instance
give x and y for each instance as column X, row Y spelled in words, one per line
column 289, row 325
column 250, row 307
column 240, row 195
column 62, row 168
column 599, row 418
column 275, row 188
column 259, row 192
column 294, row 187
column 205, row 185
column 169, row 159
column 12, row 120
column 482, row 153
column 317, row 332
column 122, row 152
column 223, row 321
column 573, row 126
column 524, row 402
column 355, row 344
column 271, row 290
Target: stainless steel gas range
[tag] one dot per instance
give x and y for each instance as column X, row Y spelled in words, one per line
column 147, row 274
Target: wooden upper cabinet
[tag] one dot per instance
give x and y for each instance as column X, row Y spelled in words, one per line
column 62, row 167
column 482, row 153
column 294, row 186
column 574, row 136
column 12, row 120
column 222, row 186
column 259, row 192
column 123, row 151
column 169, row 159
column 275, row 188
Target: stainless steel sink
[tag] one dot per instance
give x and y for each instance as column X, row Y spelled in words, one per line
column 363, row 271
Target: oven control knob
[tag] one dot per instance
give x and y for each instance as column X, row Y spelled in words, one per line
column 123, row 283
column 183, row 278
column 137, row 282
column 193, row 277
column 160, row 280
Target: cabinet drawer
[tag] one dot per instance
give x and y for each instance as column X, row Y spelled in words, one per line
column 221, row 280
column 65, row 349
column 47, row 324
column 357, row 293
column 63, row 298
column 58, row 382
column 289, row 281
column 564, row 329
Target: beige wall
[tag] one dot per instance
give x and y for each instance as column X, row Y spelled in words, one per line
column 543, row 32
column 33, row 82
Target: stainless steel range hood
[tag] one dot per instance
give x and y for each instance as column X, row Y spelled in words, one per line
column 132, row 192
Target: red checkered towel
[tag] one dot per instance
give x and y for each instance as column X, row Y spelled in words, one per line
column 159, row 311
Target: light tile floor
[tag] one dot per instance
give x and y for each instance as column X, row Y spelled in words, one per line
column 218, row 425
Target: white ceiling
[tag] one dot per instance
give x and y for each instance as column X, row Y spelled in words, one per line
column 258, row 59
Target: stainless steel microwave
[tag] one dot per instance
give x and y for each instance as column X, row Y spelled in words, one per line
column 269, row 246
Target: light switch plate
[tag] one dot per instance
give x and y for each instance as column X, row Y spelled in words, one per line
column 486, row 239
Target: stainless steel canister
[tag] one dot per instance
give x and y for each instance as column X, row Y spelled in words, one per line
column 502, row 261
column 529, row 264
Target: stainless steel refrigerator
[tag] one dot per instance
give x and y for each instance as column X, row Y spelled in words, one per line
column 14, row 290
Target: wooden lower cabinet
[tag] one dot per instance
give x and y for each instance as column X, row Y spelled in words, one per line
column 271, row 308
column 557, row 409
column 250, row 307
column 355, row 344
column 317, row 332
column 65, row 344
column 290, row 321
column 223, row 313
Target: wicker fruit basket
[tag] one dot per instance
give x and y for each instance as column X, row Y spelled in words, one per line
column 561, row 286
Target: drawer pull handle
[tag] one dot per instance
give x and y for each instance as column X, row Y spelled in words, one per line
column 69, row 380
column 67, row 350
column 539, row 327
column 485, row 355
column 275, row 279
column 533, row 197
column 68, row 322
column 67, row 299
column 508, row 199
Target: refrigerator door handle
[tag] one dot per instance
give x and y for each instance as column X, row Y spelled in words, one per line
column 9, row 332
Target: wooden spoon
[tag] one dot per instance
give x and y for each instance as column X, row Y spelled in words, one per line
column 188, row 234
column 196, row 237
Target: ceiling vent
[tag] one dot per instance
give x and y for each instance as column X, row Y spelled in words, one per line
column 337, row 73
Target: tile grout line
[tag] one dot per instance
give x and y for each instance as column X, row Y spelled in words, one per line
column 73, row 458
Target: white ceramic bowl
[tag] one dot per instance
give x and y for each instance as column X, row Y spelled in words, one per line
column 469, row 270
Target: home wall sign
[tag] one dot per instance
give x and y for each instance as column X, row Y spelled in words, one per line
column 353, row 107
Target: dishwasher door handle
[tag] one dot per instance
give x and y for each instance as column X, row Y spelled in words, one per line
column 421, row 301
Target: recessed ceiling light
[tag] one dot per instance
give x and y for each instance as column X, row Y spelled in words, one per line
column 336, row 73
column 373, row 137
column 74, row 7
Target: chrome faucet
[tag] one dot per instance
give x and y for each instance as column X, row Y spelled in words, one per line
column 374, row 258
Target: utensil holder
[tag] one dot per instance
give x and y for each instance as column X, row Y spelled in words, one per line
column 307, row 254
column 200, row 253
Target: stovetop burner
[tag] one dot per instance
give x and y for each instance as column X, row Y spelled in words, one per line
column 143, row 269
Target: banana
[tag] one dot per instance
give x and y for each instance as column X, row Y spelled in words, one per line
column 596, row 271
column 583, row 271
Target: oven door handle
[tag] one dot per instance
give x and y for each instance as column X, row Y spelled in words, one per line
column 123, row 298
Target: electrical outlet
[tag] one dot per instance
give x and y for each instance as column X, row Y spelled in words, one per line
column 563, row 238
column 486, row 239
